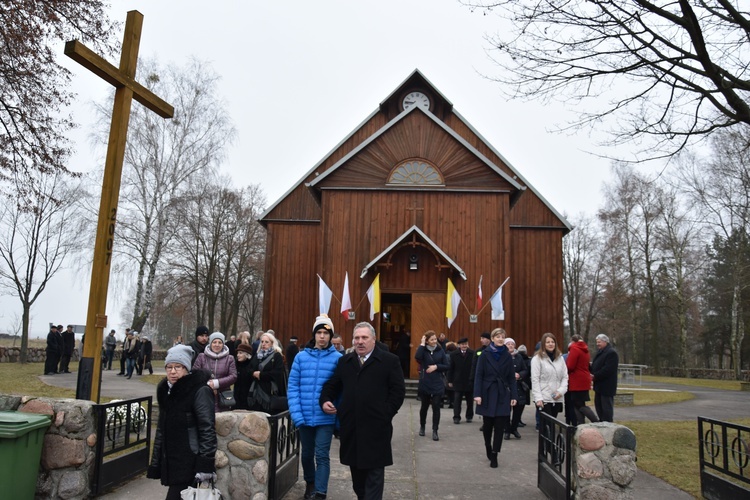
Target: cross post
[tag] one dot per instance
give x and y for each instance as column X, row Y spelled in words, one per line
column 127, row 89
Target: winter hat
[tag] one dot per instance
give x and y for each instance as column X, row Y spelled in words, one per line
column 214, row 336
column 182, row 354
column 201, row 330
column 463, row 340
column 510, row 340
column 245, row 348
column 485, row 335
column 522, row 348
column 323, row 321
column 144, row 337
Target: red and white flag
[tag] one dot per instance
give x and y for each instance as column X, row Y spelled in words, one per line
column 346, row 301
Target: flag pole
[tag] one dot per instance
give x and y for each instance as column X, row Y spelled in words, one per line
column 489, row 301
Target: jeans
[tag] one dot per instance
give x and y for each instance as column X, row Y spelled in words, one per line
column 110, row 356
column 131, row 366
column 316, row 448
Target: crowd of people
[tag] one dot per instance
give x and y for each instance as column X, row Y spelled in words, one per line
column 352, row 394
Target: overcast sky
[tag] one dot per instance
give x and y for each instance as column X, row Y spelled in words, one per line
column 298, row 76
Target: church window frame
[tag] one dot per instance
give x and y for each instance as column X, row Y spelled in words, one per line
column 415, row 172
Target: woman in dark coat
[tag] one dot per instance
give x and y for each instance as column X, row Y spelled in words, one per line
column 495, row 392
column 267, row 366
column 244, row 375
column 522, row 373
column 185, row 441
column 433, row 364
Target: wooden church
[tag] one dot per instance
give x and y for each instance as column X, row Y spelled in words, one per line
column 416, row 195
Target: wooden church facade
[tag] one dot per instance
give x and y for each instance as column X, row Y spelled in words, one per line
column 418, row 196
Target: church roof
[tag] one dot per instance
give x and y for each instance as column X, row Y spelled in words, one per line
column 414, row 230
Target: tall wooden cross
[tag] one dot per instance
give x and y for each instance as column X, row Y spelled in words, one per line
column 123, row 79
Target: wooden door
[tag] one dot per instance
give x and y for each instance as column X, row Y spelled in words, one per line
column 427, row 313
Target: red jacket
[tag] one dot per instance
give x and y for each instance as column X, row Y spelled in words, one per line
column 579, row 376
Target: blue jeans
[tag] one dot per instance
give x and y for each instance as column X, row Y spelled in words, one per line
column 316, row 448
column 131, row 366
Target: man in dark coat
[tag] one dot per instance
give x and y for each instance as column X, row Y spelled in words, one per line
column 201, row 339
column 370, row 384
column 52, row 351
column 459, row 379
column 604, row 374
column 291, row 352
column 69, row 344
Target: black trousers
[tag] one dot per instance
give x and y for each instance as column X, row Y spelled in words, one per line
column 605, row 407
column 496, row 425
column 122, row 363
column 50, row 362
column 65, row 362
column 368, row 484
column 517, row 411
column 427, row 401
column 458, row 397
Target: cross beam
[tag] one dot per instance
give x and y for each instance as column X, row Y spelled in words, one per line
column 127, row 89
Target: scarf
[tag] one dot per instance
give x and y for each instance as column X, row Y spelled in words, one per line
column 431, row 348
column 496, row 351
column 262, row 353
column 550, row 354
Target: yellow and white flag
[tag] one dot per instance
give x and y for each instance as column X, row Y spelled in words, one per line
column 373, row 295
column 452, row 299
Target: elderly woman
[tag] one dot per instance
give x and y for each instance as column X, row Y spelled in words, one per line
column 495, row 392
column 185, row 441
column 522, row 374
column 268, row 372
column 433, row 364
column 217, row 361
column 244, row 376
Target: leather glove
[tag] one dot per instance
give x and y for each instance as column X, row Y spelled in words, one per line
column 203, row 477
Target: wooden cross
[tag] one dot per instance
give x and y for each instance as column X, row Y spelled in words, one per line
column 123, row 79
column 414, row 219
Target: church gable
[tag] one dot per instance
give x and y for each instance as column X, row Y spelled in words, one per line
column 415, row 151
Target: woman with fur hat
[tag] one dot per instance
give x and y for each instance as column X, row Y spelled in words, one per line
column 186, row 412
column 268, row 372
column 217, row 361
column 244, row 375
column 312, row 367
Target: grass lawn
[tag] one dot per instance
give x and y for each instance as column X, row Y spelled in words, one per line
column 725, row 385
column 23, row 380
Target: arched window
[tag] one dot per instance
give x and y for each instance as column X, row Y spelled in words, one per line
column 416, row 172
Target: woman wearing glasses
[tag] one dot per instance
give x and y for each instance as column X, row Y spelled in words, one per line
column 186, row 408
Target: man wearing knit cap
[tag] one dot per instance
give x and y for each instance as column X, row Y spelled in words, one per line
column 201, row 340
column 604, row 374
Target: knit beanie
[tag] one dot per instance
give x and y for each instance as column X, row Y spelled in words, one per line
column 182, row 354
column 214, row 336
column 323, row 321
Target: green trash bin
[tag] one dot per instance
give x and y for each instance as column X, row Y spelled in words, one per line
column 21, row 439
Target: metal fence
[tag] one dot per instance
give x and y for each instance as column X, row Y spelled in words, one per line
column 724, row 456
column 123, row 444
column 630, row 374
column 554, row 464
column 283, row 455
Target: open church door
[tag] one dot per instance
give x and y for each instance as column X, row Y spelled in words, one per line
column 427, row 313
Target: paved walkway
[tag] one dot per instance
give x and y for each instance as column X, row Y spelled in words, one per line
column 454, row 467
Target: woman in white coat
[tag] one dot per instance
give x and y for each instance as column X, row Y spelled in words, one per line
column 549, row 377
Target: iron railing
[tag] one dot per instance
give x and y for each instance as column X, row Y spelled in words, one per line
column 283, row 455
column 123, row 444
column 723, row 449
column 554, row 457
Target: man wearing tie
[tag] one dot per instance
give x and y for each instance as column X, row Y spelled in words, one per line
column 371, row 386
column 459, row 379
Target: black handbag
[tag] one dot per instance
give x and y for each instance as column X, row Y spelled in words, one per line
column 226, row 400
column 278, row 403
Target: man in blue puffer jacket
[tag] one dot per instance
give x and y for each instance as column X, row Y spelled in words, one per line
column 312, row 368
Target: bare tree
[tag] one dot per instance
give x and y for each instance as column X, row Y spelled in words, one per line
column 582, row 260
column 667, row 70
column 721, row 186
column 164, row 159
column 34, row 243
column 34, row 88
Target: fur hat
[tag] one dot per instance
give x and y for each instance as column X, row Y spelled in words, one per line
column 182, row 354
column 245, row 348
column 214, row 336
column 323, row 321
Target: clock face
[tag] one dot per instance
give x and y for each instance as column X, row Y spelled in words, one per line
column 416, row 99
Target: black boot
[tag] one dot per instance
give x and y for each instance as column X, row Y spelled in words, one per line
column 309, row 491
column 435, row 435
column 516, row 434
column 489, row 451
column 421, row 430
column 493, row 460
column 507, row 436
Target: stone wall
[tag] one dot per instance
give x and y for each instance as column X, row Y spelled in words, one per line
column 68, row 454
column 604, row 456
column 707, row 373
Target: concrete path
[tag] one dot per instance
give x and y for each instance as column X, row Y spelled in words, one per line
column 454, row 467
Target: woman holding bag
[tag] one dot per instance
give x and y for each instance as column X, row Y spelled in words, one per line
column 269, row 374
column 217, row 361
